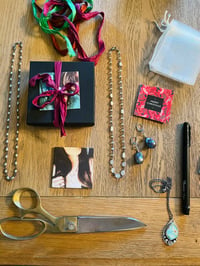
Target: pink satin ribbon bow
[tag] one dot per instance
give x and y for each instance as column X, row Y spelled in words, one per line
column 59, row 95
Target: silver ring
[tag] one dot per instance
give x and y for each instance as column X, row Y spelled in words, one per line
column 139, row 127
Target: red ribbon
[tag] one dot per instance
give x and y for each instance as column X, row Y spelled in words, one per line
column 59, row 95
column 74, row 37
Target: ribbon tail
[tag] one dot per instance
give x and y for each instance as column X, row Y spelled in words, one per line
column 63, row 114
column 60, row 113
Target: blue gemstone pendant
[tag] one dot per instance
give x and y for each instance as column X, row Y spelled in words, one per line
column 138, row 157
column 170, row 233
column 151, row 144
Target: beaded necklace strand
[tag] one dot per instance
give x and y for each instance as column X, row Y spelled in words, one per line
column 121, row 173
column 6, row 148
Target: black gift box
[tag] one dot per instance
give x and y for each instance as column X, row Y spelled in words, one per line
column 78, row 117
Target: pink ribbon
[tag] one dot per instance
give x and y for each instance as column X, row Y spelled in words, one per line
column 74, row 37
column 59, row 95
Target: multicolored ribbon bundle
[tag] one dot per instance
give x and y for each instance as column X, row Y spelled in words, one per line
column 58, row 95
column 62, row 18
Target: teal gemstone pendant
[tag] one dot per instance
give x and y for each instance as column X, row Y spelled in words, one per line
column 138, row 156
column 151, row 144
column 170, row 233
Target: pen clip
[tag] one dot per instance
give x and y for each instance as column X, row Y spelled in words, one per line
column 187, row 134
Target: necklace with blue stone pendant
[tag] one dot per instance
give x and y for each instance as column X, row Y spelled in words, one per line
column 121, row 171
column 170, row 230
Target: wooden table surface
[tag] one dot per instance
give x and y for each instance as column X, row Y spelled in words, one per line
column 128, row 25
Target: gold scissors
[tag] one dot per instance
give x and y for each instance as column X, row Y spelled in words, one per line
column 64, row 224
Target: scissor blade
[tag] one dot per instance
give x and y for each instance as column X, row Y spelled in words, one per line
column 92, row 224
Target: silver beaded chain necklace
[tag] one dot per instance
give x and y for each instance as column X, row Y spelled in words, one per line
column 6, row 147
column 121, row 172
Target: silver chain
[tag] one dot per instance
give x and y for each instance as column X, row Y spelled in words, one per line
column 121, row 172
column 6, row 147
column 162, row 186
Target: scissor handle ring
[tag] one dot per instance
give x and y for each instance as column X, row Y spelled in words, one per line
column 28, row 237
column 17, row 195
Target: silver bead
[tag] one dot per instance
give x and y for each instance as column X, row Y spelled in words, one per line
column 123, row 164
column 117, row 175
column 122, row 173
column 111, row 162
column 112, row 170
column 123, row 155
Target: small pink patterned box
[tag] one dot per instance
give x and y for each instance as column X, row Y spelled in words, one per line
column 154, row 103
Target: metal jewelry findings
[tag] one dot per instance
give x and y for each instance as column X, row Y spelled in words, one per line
column 170, row 230
column 6, row 149
column 121, row 172
column 138, row 156
column 149, row 142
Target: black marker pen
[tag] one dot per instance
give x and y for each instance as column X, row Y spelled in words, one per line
column 186, row 168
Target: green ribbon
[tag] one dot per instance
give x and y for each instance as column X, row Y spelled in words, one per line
column 43, row 22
